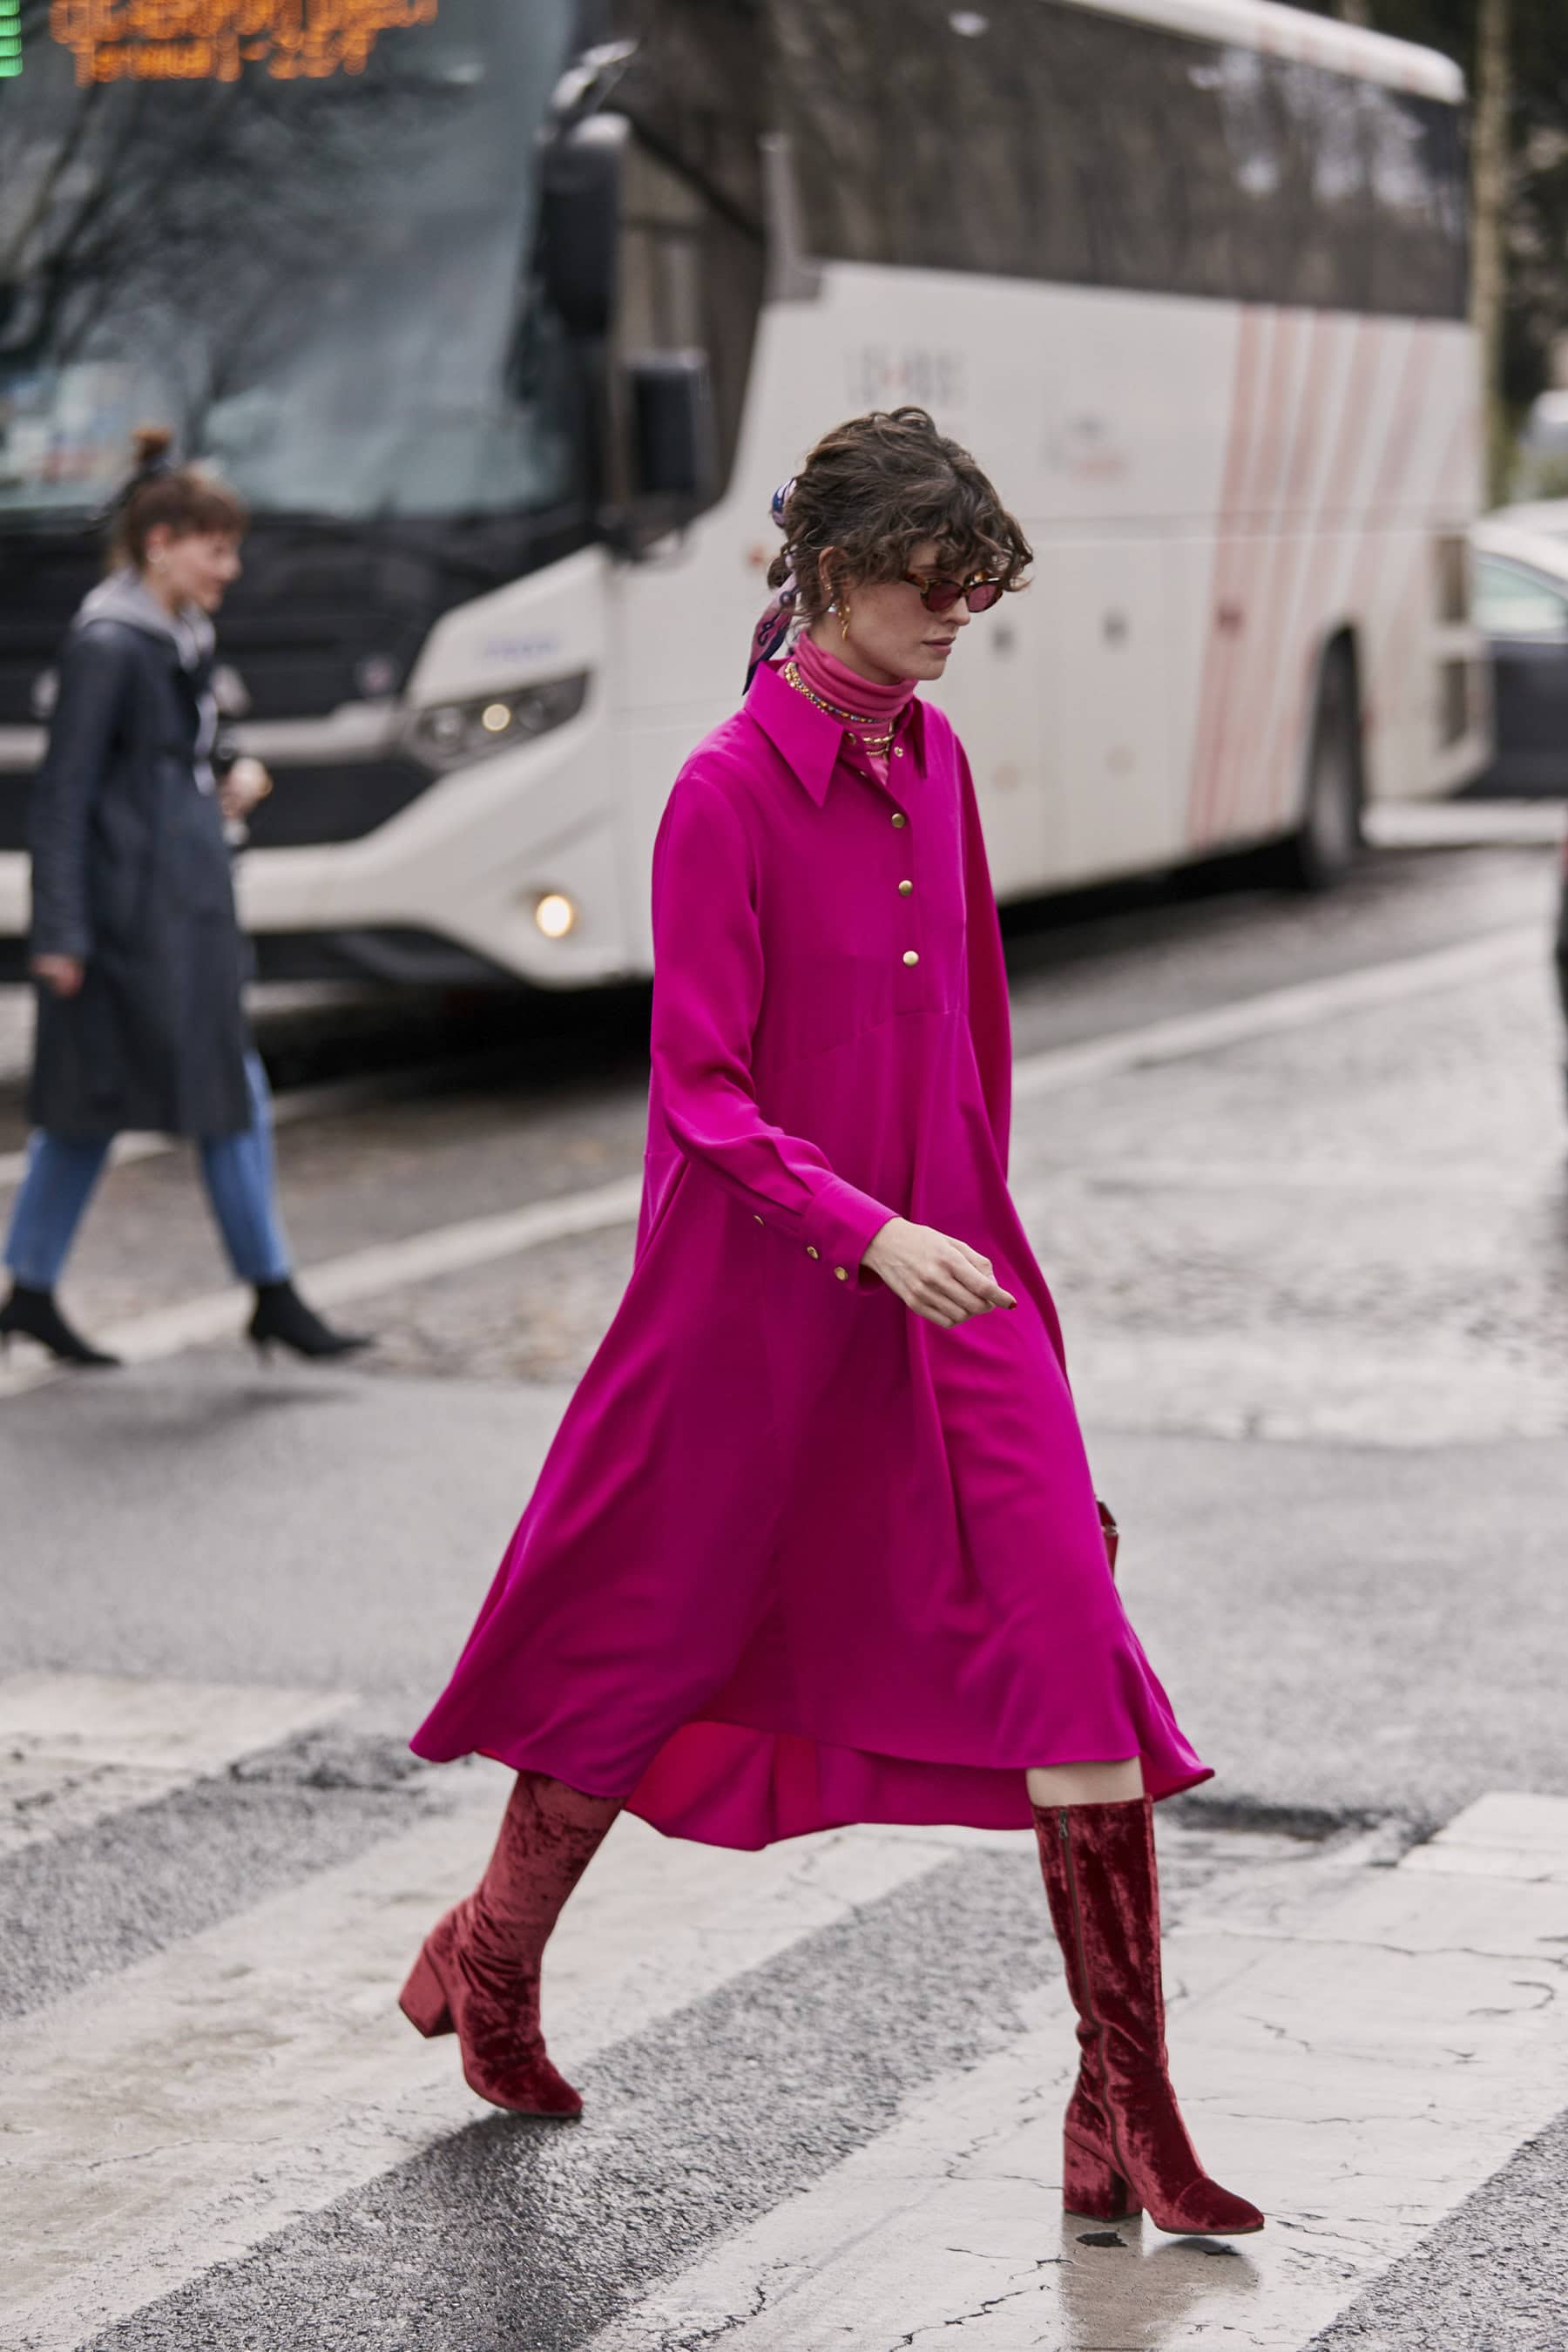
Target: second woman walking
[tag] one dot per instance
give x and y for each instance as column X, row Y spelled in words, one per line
column 137, row 955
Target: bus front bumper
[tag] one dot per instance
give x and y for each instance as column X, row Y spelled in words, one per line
column 418, row 880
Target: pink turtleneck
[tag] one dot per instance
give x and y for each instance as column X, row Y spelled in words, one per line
column 837, row 683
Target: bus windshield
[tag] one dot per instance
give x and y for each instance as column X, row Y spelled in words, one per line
column 305, row 252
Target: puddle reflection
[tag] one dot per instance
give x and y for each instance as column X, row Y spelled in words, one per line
column 1127, row 2284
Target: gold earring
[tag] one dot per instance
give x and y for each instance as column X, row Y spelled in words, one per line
column 844, row 624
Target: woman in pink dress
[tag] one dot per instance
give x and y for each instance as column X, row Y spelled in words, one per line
column 816, row 1540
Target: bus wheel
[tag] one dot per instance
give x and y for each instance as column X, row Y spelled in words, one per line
column 1329, row 841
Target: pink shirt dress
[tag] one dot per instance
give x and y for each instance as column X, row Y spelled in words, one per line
column 797, row 1557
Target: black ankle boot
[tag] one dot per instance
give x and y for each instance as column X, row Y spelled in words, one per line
column 282, row 1315
column 34, row 1314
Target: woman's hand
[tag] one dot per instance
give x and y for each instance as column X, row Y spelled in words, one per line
column 246, row 782
column 61, row 975
column 944, row 1280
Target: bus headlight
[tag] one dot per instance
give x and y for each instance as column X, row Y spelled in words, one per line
column 555, row 914
column 453, row 734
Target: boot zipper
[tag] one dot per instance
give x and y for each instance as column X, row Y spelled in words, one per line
column 1095, row 2020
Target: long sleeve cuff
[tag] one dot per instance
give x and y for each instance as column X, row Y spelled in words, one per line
column 840, row 1228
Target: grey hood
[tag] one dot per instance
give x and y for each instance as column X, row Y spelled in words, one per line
column 125, row 596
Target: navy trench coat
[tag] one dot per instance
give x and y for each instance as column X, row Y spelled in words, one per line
column 132, row 873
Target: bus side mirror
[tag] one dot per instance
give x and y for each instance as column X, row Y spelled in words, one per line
column 675, row 441
column 580, row 223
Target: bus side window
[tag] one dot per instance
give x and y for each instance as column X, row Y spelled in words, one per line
column 1116, row 152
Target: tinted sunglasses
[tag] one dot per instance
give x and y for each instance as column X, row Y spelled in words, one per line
column 940, row 595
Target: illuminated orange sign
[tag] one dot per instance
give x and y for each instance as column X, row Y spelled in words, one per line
column 215, row 40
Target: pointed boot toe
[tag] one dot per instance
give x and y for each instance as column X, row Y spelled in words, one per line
column 1207, row 2210
column 525, row 2086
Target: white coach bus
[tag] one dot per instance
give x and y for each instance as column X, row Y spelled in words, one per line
column 508, row 320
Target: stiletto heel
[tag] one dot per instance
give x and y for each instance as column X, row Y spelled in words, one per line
column 423, row 2000
column 1092, row 2186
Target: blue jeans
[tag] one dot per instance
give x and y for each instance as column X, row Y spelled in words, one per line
column 237, row 1168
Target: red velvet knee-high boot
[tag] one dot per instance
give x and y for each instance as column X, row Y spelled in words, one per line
column 477, row 1975
column 1124, row 2144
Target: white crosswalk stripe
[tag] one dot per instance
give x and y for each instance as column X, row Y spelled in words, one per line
column 1358, row 2046
column 75, row 1748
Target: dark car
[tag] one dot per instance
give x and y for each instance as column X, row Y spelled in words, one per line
column 1521, row 601
column 1562, row 944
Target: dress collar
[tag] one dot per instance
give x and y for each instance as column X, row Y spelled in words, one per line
column 807, row 739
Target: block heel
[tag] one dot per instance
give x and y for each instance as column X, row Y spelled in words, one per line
column 423, row 2000
column 1092, row 2186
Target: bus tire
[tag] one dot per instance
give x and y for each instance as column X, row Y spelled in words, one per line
column 1328, row 841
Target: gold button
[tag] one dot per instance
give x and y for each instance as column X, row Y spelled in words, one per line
column 904, row 889
column 842, row 1272
column 910, row 956
column 810, row 1251
column 899, row 817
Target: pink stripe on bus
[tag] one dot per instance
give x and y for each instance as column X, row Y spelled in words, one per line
column 1399, row 443
column 1298, row 661
column 1244, row 654
column 1289, row 542
column 1238, row 430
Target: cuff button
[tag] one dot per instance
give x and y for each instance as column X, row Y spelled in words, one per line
column 842, row 1272
column 810, row 1251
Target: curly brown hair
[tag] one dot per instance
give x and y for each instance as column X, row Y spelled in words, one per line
column 872, row 490
column 183, row 497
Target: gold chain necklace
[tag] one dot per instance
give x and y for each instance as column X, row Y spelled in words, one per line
column 878, row 744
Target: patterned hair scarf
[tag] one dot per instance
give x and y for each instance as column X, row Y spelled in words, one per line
column 778, row 617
